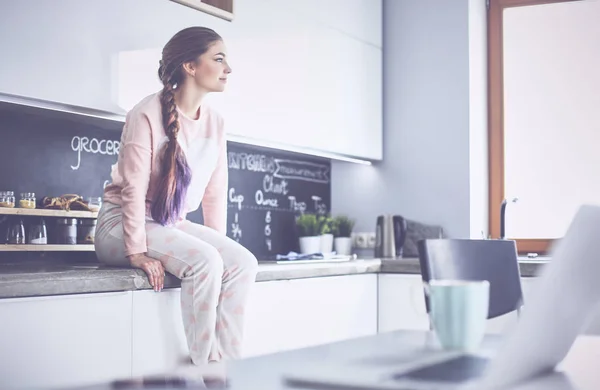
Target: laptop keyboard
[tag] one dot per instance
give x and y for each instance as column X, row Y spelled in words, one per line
column 456, row 370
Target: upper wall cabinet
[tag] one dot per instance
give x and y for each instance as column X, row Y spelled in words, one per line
column 220, row 8
column 359, row 19
column 306, row 74
column 304, row 84
column 97, row 54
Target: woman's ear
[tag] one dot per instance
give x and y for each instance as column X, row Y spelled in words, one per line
column 190, row 68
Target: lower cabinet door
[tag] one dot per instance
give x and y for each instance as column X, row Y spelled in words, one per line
column 64, row 341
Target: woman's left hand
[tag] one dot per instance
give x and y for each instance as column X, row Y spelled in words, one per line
column 153, row 268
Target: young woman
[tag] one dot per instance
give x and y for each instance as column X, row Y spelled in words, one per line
column 172, row 158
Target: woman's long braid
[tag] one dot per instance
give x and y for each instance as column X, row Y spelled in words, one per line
column 176, row 177
column 169, row 111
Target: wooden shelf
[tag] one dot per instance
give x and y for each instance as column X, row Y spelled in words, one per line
column 45, row 248
column 47, row 213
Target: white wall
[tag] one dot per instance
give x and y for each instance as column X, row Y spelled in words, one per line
column 434, row 167
column 433, row 114
column 304, row 73
column 478, row 119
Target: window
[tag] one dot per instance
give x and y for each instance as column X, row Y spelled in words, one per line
column 544, row 116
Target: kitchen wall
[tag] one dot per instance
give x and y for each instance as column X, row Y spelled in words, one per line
column 435, row 158
column 298, row 62
column 434, row 122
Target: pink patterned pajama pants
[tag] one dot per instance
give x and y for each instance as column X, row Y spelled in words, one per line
column 216, row 274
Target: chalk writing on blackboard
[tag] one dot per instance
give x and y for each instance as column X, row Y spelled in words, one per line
column 268, row 231
column 236, row 230
column 235, row 198
column 301, row 170
column 253, row 162
column 279, row 168
column 93, row 146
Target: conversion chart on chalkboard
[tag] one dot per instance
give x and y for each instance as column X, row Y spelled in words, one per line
column 268, row 188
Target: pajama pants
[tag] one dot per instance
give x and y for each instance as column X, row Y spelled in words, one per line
column 216, row 274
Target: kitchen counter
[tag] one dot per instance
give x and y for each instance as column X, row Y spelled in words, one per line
column 527, row 267
column 59, row 279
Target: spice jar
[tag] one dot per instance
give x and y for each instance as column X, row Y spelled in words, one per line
column 66, row 231
column 27, row 200
column 7, row 199
column 94, row 203
column 86, row 231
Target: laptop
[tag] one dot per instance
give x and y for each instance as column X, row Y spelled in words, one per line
column 566, row 295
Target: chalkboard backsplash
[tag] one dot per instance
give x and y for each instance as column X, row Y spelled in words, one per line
column 267, row 187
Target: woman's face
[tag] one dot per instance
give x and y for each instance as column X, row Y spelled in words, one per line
column 211, row 70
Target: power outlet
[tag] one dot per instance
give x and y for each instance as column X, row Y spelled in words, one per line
column 359, row 240
column 363, row 240
column 371, row 240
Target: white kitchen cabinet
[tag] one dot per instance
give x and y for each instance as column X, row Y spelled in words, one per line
column 402, row 304
column 83, row 55
column 504, row 323
column 281, row 315
column 158, row 338
column 360, row 19
column 528, row 285
column 299, row 313
column 64, row 341
column 315, row 87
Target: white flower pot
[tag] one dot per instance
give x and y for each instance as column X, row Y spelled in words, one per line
column 326, row 243
column 311, row 244
column 343, row 246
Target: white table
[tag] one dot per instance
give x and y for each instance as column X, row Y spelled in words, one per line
column 390, row 351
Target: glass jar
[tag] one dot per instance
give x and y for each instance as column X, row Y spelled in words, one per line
column 66, row 231
column 27, row 200
column 7, row 199
column 86, row 231
column 37, row 233
column 16, row 232
column 94, row 203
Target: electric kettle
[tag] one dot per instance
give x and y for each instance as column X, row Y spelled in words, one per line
column 390, row 234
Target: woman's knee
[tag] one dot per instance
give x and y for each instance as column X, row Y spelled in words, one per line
column 244, row 260
column 208, row 261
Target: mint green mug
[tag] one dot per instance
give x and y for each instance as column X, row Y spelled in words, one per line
column 458, row 312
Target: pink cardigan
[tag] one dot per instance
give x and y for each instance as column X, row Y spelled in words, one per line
column 135, row 175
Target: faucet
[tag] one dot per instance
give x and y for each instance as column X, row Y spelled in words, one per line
column 503, row 218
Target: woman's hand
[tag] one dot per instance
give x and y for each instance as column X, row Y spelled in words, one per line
column 153, row 268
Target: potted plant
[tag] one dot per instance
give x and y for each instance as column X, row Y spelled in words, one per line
column 325, row 233
column 342, row 230
column 308, row 233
